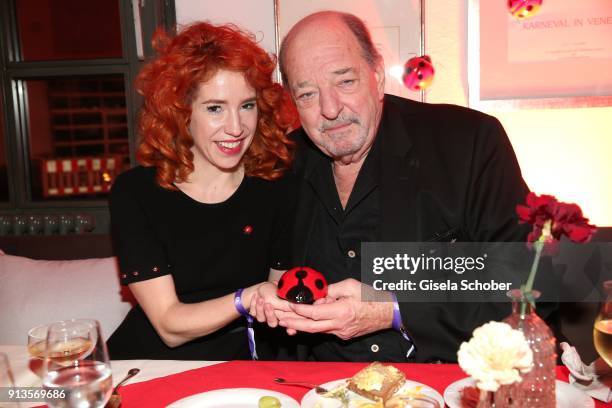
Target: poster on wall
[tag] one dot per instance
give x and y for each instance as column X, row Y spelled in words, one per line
column 395, row 26
column 559, row 57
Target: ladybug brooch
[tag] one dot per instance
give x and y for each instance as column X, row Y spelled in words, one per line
column 302, row 285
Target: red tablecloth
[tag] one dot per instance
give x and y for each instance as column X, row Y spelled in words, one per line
column 260, row 374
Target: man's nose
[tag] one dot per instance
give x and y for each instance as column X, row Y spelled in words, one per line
column 329, row 104
column 233, row 125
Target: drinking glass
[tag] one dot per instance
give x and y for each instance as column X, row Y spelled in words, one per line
column 6, row 375
column 6, row 383
column 50, row 224
column 66, row 224
column 76, row 361
column 602, row 328
column 37, row 338
column 84, row 223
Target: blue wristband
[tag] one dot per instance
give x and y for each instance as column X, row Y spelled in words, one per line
column 238, row 303
column 250, row 331
column 398, row 325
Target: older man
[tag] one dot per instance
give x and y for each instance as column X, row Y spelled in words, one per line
column 376, row 167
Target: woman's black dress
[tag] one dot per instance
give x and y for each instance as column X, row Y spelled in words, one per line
column 209, row 249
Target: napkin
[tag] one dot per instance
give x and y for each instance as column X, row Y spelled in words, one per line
column 594, row 379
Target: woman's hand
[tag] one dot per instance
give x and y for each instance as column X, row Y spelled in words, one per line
column 265, row 303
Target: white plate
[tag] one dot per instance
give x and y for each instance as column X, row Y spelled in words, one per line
column 232, row 398
column 567, row 396
column 311, row 398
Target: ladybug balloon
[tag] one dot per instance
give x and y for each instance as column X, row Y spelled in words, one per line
column 302, row 285
column 418, row 73
column 522, row 9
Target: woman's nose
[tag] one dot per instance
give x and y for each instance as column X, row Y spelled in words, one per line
column 233, row 125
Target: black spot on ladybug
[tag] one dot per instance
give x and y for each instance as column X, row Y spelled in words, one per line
column 319, row 284
column 421, row 64
column 281, row 282
column 301, row 274
column 420, row 76
column 300, row 294
column 529, row 8
column 408, row 70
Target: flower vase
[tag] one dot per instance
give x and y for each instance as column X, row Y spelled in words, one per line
column 537, row 388
column 485, row 399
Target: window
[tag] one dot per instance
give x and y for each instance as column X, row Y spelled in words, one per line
column 69, row 108
column 4, row 186
column 50, row 30
column 78, row 135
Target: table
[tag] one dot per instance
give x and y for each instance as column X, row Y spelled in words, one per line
column 19, row 360
column 162, row 381
column 260, row 374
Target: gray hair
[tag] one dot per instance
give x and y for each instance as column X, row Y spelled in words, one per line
column 353, row 23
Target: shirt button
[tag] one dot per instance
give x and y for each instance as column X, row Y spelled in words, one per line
column 374, row 348
column 351, row 253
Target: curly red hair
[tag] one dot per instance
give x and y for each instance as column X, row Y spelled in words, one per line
column 169, row 84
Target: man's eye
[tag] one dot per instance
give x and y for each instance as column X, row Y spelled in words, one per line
column 214, row 108
column 348, row 82
column 305, row 95
column 249, row 106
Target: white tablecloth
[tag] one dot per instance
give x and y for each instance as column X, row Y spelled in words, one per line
column 19, row 359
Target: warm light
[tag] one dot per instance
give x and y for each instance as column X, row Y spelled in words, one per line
column 396, row 72
column 106, row 177
column 564, row 152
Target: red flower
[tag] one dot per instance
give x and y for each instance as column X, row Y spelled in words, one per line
column 552, row 219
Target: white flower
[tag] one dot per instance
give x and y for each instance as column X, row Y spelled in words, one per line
column 495, row 355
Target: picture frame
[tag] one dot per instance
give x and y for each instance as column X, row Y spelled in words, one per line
column 559, row 58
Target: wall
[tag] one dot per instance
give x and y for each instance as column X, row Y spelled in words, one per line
column 254, row 16
column 565, row 152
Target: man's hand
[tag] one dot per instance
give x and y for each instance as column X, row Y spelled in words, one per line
column 342, row 313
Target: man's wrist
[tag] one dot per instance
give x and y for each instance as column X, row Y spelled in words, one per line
column 398, row 325
column 396, row 320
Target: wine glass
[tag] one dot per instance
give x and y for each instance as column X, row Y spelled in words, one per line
column 602, row 328
column 50, row 224
column 7, row 382
column 37, row 339
column 6, row 375
column 84, row 223
column 76, row 361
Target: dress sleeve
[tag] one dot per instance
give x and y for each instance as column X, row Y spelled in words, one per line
column 140, row 254
column 279, row 255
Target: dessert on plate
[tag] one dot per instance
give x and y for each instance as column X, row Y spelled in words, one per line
column 377, row 382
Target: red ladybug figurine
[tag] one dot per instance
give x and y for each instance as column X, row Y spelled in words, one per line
column 302, row 285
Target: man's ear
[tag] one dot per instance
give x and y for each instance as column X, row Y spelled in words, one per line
column 379, row 75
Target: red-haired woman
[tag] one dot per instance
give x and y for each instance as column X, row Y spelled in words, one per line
column 200, row 224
